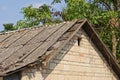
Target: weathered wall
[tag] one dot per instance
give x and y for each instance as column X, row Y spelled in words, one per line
column 74, row 62
column 32, row 73
column 1, row 78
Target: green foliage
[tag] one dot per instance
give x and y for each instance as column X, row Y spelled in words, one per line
column 103, row 18
column 101, row 13
column 118, row 47
column 74, row 10
column 59, row 1
column 78, row 9
column 32, row 17
column 8, row 26
column 29, row 12
column 25, row 24
column 98, row 12
column 37, row 14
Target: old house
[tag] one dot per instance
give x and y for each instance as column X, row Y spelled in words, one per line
column 65, row 51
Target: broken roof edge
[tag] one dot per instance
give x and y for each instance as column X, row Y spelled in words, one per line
column 17, row 70
column 36, row 27
column 30, row 28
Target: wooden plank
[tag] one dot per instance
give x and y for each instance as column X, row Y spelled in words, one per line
column 8, row 52
column 13, row 51
column 4, row 36
column 50, row 54
column 12, row 39
column 70, row 34
column 65, row 42
column 23, row 64
column 25, row 38
column 50, row 41
column 1, row 50
column 57, row 48
column 40, row 39
column 5, row 54
column 8, row 41
column 31, row 45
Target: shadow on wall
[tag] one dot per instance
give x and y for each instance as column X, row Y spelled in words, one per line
column 36, row 72
column 56, row 60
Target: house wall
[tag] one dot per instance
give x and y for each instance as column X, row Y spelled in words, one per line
column 73, row 62
column 1, row 78
column 32, row 73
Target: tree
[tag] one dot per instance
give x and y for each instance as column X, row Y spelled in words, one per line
column 41, row 14
column 25, row 24
column 8, row 26
column 103, row 14
column 34, row 16
column 111, row 7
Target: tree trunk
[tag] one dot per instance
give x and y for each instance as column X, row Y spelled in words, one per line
column 114, row 44
column 118, row 5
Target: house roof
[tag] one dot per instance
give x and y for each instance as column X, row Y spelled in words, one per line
column 24, row 47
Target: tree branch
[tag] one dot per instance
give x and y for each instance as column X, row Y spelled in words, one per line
column 108, row 7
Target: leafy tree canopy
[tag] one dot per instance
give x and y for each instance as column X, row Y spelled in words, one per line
column 8, row 26
column 103, row 14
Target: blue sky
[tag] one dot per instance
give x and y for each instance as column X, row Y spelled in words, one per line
column 10, row 9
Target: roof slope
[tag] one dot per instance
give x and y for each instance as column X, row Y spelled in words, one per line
column 21, row 48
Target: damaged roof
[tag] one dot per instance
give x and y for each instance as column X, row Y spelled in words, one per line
column 26, row 46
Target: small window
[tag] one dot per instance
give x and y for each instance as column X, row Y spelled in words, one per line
column 79, row 41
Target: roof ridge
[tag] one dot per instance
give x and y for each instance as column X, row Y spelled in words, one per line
column 19, row 30
column 30, row 28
